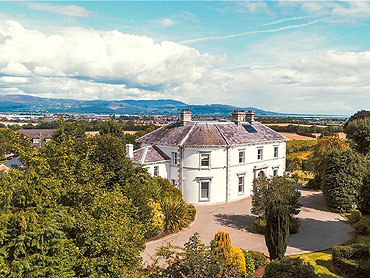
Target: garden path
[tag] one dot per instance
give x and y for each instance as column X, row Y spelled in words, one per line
column 320, row 229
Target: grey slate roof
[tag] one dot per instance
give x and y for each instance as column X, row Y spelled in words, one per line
column 197, row 134
column 148, row 155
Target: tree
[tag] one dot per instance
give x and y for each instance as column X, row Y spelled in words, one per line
column 277, row 188
column 364, row 202
column 277, row 229
column 342, row 179
column 111, row 127
column 359, row 132
column 321, row 149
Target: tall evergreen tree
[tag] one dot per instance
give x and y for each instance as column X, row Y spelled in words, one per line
column 277, row 229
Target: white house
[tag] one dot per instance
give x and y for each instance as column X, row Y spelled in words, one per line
column 212, row 162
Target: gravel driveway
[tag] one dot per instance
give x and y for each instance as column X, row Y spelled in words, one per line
column 320, row 229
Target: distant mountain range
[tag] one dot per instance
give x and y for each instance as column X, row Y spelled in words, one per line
column 31, row 104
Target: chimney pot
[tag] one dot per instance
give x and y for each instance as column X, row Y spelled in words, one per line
column 249, row 117
column 130, row 151
column 185, row 116
column 238, row 117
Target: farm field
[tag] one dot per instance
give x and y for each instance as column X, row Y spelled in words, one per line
column 295, row 136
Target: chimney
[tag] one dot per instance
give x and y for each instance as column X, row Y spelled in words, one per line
column 249, row 117
column 238, row 117
column 185, row 116
column 130, row 151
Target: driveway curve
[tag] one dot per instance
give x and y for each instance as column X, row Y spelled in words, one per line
column 319, row 230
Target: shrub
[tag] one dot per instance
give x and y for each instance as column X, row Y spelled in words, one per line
column 260, row 225
column 353, row 260
column 277, row 229
column 259, row 259
column 226, row 252
column 355, row 216
column 289, row 268
column 362, row 227
column 192, row 212
column 177, row 214
column 364, row 203
column 249, row 263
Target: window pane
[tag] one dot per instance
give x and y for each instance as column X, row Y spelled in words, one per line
column 204, row 190
column 241, row 157
column 204, row 159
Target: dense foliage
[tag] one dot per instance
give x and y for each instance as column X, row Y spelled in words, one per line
column 289, row 268
column 195, row 260
column 277, row 188
column 79, row 208
column 353, row 260
column 321, row 149
column 342, row 179
column 277, row 229
column 358, row 132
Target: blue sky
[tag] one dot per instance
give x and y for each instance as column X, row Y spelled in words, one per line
column 298, row 57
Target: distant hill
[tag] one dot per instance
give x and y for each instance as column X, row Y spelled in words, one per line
column 25, row 103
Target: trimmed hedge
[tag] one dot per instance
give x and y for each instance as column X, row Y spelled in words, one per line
column 353, row 260
column 289, row 268
column 355, row 216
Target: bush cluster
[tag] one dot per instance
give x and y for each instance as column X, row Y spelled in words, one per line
column 362, row 227
column 353, row 260
column 289, row 268
column 355, row 216
column 259, row 259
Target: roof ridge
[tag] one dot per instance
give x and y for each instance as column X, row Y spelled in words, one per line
column 187, row 135
column 144, row 155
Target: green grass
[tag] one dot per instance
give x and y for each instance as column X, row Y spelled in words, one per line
column 322, row 263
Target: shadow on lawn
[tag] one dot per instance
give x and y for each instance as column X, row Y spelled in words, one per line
column 237, row 221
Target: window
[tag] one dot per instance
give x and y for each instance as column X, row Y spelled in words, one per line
column 276, row 151
column 35, row 141
column 173, row 182
column 241, row 185
column 260, row 154
column 275, row 172
column 174, row 158
column 204, row 160
column 156, row 170
column 47, row 140
column 204, row 190
column 241, row 157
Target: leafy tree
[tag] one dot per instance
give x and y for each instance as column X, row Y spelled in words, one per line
column 321, row 149
column 364, row 203
column 342, row 179
column 359, row 132
column 111, row 127
column 277, row 229
column 277, row 188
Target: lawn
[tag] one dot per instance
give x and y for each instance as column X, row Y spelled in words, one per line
column 322, row 263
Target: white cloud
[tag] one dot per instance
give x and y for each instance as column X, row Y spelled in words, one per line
column 91, row 64
column 13, row 68
column 67, row 10
column 165, row 22
column 283, row 20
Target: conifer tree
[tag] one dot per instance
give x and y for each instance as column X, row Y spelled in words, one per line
column 277, row 229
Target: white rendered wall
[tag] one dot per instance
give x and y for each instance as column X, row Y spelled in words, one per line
column 162, row 169
column 193, row 174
